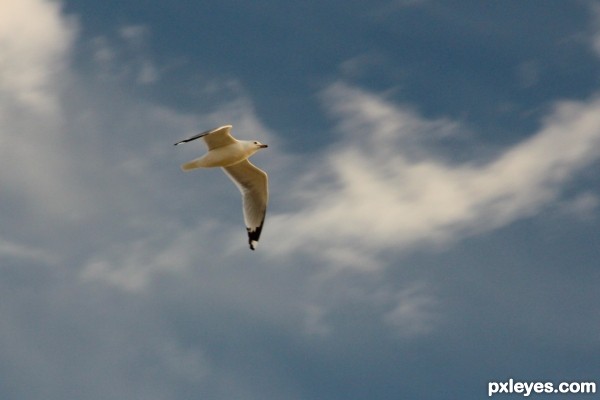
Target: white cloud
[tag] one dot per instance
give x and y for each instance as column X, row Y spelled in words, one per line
column 382, row 187
column 584, row 206
column 126, row 56
column 410, row 309
column 34, row 42
column 134, row 34
column 13, row 250
column 314, row 323
column 133, row 265
column 415, row 312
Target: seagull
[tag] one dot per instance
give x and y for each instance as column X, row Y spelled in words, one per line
column 232, row 155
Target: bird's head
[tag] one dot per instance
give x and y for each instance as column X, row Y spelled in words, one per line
column 252, row 147
column 259, row 145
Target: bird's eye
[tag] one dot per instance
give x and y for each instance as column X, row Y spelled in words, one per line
column 255, row 142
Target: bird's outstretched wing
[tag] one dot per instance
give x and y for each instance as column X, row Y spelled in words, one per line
column 253, row 184
column 213, row 138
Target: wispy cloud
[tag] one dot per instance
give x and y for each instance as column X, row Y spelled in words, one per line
column 415, row 312
column 126, row 56
column 13, row 250
column 383, row 185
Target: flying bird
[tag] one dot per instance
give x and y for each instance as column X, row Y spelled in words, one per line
column 232, row 155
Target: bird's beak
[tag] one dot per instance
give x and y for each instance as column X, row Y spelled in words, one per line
column 263, row 146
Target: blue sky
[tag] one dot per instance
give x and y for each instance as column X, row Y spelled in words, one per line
column 433, row 218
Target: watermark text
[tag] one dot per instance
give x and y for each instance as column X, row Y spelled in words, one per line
column 526, row 389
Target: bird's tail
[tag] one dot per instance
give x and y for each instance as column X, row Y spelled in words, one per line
column 188, row 166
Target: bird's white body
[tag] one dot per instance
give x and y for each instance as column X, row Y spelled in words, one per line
column 232, row 155
column 224, row 156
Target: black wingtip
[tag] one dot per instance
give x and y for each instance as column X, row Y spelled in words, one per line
column 254, row 235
